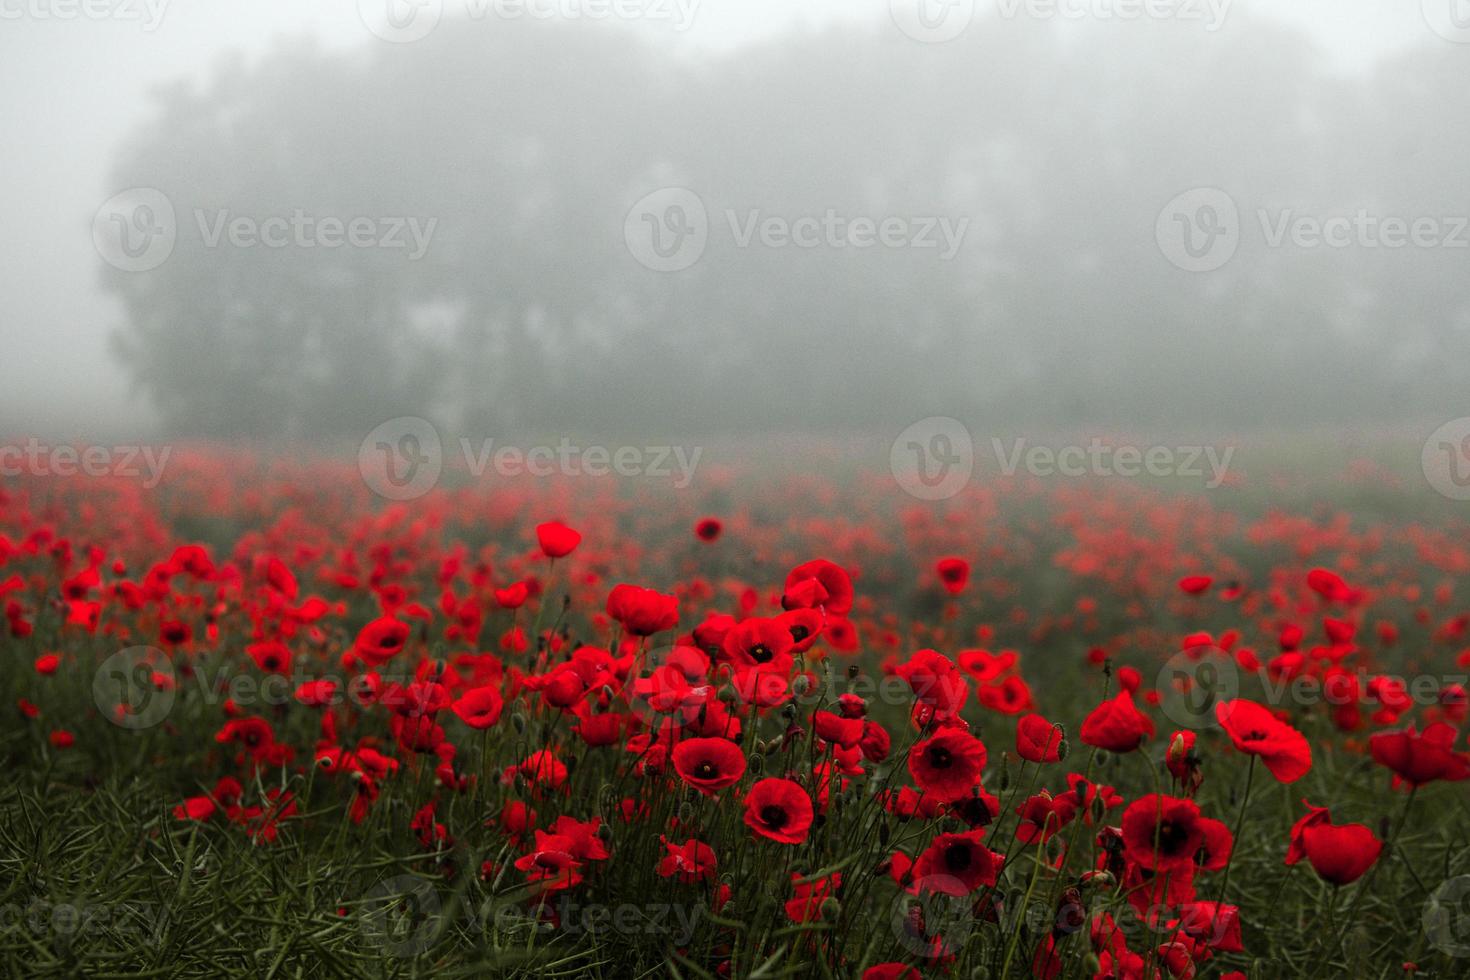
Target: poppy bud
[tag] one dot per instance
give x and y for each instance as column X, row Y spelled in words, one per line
column 728, row 695
column 801, row 685
column 518, row 721
column 852, row 672
column 1062, row 749
column 757, row 763
column 883, row 833
column 788, row 713
column 686, row 813
column 604, row 832
column 1098, row 879
column 831, row 908
column 1005, row 780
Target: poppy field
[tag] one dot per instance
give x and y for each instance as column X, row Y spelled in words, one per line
column 788, row 721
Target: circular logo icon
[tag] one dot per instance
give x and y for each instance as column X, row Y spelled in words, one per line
column 1192, row 682
column 667, row 231
column 400, row 916
column 1450, row 19
column 933, row 459
column 932, row 21
column 402, row 458
column 934, row 917
column 1447, row 917
column 400, row 21
column 135, row 230
column 1199, row 230
column 1446, row 459
column 135, row 688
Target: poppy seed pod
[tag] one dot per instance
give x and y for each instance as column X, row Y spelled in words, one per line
column 831, row 908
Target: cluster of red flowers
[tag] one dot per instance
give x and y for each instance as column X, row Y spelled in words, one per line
column 737, row 739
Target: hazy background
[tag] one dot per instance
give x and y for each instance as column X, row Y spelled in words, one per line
column 1056, row 144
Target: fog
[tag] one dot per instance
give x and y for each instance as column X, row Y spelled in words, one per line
column 732, row 217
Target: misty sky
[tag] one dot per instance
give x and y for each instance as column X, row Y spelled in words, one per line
column 71, row 89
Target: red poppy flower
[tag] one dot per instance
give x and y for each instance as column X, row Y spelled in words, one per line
column 641, row 611
column 691, row 861
column 550, row 863
column 1164, row 833
column 954, row 573
column 830, row 727
column 1215, row 925
column 1194, row 584
column 1339, row 854
column 936, row 682
column 779, row 810
column 806, row 905
column 1417, row 758
column 1042, row 815
column 1117, row 725
column 891, row 971
column 818, row 583
column 1038, row 740
column 381, row 640
column 758, row 641
column 956, row 864
column 708, row 529
column 47, row 663
column 1255, row 730
column 556, row 539
column 479, row 707
column 948, row 764
column 709, row 764
column 317, row 694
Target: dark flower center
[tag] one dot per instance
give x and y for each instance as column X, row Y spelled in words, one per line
column 799, row 632
column 957, row 857
column 773, row 816
column 939, row 757
column 761, row 653
column 1172, row 837
column 705, row 770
